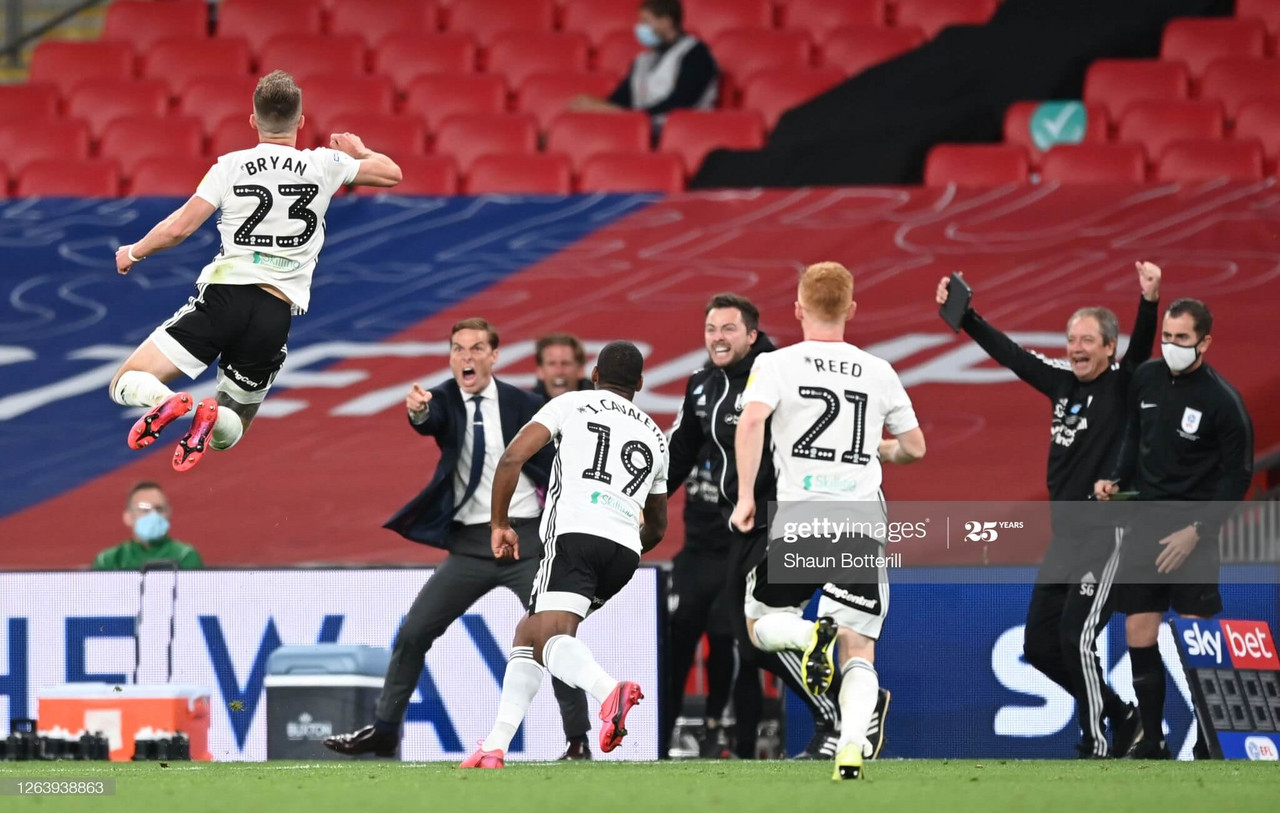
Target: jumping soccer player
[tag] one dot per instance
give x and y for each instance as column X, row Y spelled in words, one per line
column 273, row 199
column 830, row 403
column 606, row 504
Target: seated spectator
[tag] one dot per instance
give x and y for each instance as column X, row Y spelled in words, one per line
column 561, row 361
column 677, row 71
column 146, row 514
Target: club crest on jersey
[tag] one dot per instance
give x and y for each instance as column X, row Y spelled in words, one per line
column 1191, row 420
column 737, row 403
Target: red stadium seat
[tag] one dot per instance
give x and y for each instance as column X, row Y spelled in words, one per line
column 182, row 61
column 1154, row 124
column 4, row 182
column 257, row 21
column 691, row 134
column 772, row 93
column 708, row 19
column 376, row 21
column 231, row 134
column 24, row 142
column 1268, row 11
column 546, row 173
column 1236, row 81
column 1094, row 164
column 467, row 137
column 1260, row 120
column 600, row 18
column 582, row 135
column 391, row 135
column 1017, row 127
column 1198, row 42
column 28, row 101
column 213, row 100
column 485, row 19
column 742, row 52
column 616, row 52
column 1117, row 83
column 632, row 172
column 129, row 141
column 1192, row 161
column 169, row 176
column 519, row 55
column 436, row 97
column 143, row 24
column 67, row 64
column 70, row 177
column 309, row 54
column 932, row 16
column 853, row 49
column 546, row 95
column 404, row 57
column 100, row 101
column 327, row 95
column 976, row 165
column 423, row 175
column 822, row 17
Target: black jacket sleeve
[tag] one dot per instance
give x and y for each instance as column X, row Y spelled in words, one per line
column 697, row 71
column 686, row 440
column 1144, row 333
column 1045, row 375
column 1126, row 460
column 1235, row 440
column 437, row 422
column 621, row 95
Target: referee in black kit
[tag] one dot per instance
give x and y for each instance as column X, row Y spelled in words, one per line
column 1189, row 439
column 1072, row 600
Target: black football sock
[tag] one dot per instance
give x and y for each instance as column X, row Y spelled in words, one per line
column 1148, row 685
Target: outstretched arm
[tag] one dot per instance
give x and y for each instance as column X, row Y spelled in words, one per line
column 532, row 437
column 376, row 169
column 167, row 233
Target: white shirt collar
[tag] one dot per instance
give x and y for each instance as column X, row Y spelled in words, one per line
column 489, row 393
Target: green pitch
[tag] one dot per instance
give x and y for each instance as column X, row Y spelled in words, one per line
column 955, row 786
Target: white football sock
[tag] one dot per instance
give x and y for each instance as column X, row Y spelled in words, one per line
column 228, row 429
column 520, row 684
column 569, row 659
column 777, row 632
column 137, row 388
column 858, row 696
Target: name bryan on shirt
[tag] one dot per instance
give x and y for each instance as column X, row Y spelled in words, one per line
column 260, row 165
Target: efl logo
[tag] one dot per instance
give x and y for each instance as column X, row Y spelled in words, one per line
column 1261, row 748
column 1250, row 644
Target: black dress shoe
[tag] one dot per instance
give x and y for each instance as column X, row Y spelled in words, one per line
column 577, row 750
column 363, row 741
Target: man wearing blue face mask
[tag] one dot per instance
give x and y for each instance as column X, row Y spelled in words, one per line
column 147, row 513
column 676, row 71
column 1189, row 439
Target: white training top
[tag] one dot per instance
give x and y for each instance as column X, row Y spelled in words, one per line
column 273, row 200
column 610, row 457
column 831, row 404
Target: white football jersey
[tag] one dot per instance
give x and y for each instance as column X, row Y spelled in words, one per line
column 273, row 199
column 831, row 404
column 610, row 456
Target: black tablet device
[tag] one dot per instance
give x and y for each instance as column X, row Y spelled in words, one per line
column 959, row 295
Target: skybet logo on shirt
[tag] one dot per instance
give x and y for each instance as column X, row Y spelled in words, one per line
column 1235, row 644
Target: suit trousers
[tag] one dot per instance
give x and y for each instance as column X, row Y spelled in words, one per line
column 457, row 583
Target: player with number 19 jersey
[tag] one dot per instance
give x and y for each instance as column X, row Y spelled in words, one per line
column 273, row 200
column 610, row 457
column 836, row 401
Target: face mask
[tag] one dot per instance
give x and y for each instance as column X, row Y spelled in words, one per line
column 646, row 36
column 151, row 526
column 1178, row 357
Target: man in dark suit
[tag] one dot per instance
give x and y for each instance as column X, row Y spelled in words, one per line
column 472, row 417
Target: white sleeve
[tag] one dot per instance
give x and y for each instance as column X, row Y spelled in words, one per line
column 213, row 187
column 762, row 385
column 552, row 416
column 660, row 479
column 899, row 414
column 340, row 169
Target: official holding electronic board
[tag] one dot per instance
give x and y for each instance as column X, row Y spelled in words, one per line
column 1071, row 602
column 1189, row 438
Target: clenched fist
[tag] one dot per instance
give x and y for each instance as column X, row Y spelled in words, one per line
column 349, row 143
column 1149, row 280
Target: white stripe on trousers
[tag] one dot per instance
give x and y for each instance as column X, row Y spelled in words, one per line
column 1088, row 660
column 185, row 309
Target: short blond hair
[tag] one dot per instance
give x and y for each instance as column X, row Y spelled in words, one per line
column 826, row 289
column 277, row 102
